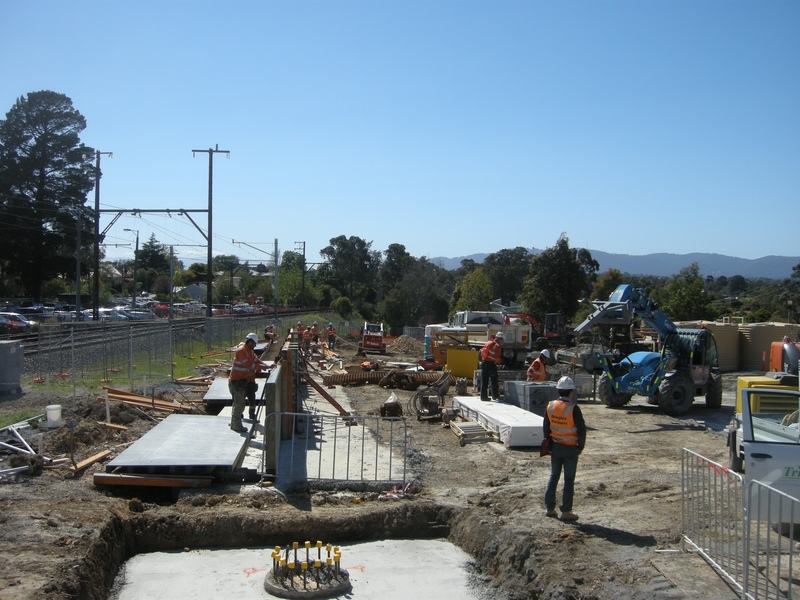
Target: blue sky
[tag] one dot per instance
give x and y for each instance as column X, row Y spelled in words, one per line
column 451, row 127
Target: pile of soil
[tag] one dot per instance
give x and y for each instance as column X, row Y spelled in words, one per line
column 405, row 345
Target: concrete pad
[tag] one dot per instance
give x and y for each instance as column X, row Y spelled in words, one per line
column 385, row 570
column 181, row 443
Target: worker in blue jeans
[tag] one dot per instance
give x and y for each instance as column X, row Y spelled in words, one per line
column 564, row 425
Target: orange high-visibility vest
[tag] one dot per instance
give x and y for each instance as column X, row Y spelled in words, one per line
column 537, row 371
column 562, row 423
column 306, row 335
column 245, row 364
column 491, row 351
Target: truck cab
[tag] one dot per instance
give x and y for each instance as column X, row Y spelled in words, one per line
column 764, row 441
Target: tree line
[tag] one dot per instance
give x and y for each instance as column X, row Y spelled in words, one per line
column 46, row 174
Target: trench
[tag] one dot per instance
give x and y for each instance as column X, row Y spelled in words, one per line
column 125, row 536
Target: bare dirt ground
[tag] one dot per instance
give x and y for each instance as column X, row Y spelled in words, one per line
column 62, row 537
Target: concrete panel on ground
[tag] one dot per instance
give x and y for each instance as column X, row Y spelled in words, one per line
column 182, row 443
column 385, row 570
column 515, row 426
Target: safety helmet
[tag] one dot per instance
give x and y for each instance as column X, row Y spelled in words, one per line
column 546, row 354
column 252, row 337
column 316, row 323
column 566, row 384
column 500, row 335
column 299, row 323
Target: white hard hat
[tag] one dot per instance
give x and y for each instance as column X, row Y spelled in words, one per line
column 546, row 354
column 500, row 335
column 299, row 323
column 565, row 383
column 316, row 323
column 252, row 337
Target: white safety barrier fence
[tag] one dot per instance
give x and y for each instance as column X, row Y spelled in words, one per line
column 770, row 543
column 712, row 514
column 338, row 448
column 749, row 535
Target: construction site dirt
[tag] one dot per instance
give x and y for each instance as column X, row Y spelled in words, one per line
column 63, row 537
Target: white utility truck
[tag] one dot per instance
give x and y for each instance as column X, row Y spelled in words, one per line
column 481, row 324
column 764, row 437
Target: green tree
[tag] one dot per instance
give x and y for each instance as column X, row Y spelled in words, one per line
column 352, row 268
column 475, row 291
column 420, row 298
column 45, row 175
column 154, row 255
column 396, row 265
column 342, row 307
column 507, row 270
column 686, row 296
column 559, row 277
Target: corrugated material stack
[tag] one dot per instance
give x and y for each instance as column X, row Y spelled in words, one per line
column 755, row 339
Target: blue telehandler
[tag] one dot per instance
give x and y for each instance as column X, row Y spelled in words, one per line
column 687, row 365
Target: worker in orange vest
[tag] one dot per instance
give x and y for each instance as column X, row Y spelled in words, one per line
column 315, row 332
column 538, row 371
column 491, row 354
column 330, row 334
column 564, row 425
column 307, row 340
column 243, row 373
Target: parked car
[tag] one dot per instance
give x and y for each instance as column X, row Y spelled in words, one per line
column 4, row 328
column 111, row 314
column 17, row 323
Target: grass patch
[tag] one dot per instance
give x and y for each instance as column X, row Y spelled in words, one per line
column 18, row 417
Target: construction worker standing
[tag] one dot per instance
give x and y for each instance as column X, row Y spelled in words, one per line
column 243, row 372
column 538, row 370
column 307, row 340
column 315, row 332
column 330, row 334
column 564, row 425
column 491, row 354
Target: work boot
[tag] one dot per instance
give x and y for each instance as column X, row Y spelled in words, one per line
column 551, row 513
column 568, row 515
column 252, row 415
column 237, row 426
column 484, row 399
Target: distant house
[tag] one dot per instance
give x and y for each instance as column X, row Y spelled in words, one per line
column 194, row 291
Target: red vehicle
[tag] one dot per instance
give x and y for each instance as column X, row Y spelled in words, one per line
column 372, row 338
column 17, row 323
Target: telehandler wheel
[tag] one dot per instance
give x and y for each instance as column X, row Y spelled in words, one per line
column 675, row 395
column 609, row 396
column 714, row 391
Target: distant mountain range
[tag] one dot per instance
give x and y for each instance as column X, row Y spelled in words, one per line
column 664, row 265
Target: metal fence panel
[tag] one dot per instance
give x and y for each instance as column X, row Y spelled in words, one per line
column 711, row 514
column 336, row 448
column 770, row 543
column 749, row 536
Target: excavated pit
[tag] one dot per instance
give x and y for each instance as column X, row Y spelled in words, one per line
column 124, row 536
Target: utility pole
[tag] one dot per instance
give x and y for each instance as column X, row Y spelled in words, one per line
column 210, row 274
column 96, row 291
column 303, row 284
column 135, row 266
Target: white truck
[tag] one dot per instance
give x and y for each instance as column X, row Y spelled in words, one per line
column 481, row 324
column 764, row 437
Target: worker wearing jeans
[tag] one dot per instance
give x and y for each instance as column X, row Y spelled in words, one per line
column 243, row 371
column 491, row 353
column 564, row 425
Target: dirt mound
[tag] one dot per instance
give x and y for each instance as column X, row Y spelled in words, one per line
column 406, row 345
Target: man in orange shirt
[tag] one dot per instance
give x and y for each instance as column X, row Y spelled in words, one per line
column 491, row 354
column 330, row 333
column 243, row 373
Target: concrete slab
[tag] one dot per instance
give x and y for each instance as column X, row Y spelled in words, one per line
column 385, row 570
column 182, row 444
column 218, row 391
column 515, row 426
